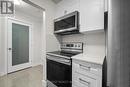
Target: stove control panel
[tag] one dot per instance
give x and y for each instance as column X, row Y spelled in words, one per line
column 78, row 45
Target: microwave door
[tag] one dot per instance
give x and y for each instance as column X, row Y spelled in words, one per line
column 66, row 23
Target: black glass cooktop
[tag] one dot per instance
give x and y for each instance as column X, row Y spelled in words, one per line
column 67, row 54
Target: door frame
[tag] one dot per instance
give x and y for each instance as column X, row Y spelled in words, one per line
column 11, row 68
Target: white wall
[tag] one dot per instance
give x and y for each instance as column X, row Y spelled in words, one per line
column 94, row 43
column 3, row 50
column 52, row 42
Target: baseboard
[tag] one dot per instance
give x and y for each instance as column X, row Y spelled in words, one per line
column 44, row 83
column 3, row 73
column 36, row 64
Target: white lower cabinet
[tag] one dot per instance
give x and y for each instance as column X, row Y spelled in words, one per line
column 87, row 76
column 84, row 81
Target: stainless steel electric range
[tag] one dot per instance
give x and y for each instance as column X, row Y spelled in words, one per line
column 59, row 65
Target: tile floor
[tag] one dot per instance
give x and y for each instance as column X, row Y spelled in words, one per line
column 31, row 77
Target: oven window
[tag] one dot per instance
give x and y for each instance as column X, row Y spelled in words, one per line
column 65, row 23
column 59, row 74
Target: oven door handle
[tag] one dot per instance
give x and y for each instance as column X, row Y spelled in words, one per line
column 65, row 61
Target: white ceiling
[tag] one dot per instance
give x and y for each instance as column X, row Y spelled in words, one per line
column 30, row 10
column 56, row 1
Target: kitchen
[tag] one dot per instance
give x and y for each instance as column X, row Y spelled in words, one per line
column 80, row 46
column 80, row 26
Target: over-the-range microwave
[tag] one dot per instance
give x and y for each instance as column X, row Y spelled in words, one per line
column 67, row 24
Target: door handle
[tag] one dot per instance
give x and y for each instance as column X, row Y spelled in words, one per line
column 9, row 48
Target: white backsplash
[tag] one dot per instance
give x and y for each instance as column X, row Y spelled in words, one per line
column 94, row 43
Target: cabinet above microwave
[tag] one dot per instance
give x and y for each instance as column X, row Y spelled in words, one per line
column 67, row 24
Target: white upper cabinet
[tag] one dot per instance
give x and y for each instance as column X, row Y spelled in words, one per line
column 91, row 15
column 66, row 6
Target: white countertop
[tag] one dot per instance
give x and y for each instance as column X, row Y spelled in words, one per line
column 90, row 58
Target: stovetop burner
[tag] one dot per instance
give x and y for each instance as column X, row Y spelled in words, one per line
column 68, row 50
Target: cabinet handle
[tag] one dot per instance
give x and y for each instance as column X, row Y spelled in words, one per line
column 85, row 67
column 9, row 48
column 84, row 82
column 88, row 68
column 65, row 61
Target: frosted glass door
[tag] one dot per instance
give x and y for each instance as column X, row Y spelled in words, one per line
column 20, row 44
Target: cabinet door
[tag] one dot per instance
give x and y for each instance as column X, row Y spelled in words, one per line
column 73, row 5
column 91, row 15
column 66, row 7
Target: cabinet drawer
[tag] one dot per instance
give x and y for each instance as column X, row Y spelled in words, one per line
column 87, row 68
column 84, row 81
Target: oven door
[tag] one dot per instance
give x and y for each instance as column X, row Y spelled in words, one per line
column 59, row 72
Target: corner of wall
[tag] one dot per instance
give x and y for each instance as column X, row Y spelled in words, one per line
column 44, row 83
